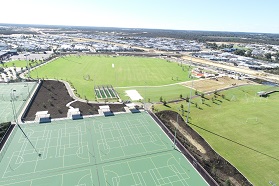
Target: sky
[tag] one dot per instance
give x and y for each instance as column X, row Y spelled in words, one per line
column 214, row 15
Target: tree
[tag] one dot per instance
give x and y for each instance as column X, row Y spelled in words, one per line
column 59, row 109
column 215, row 92
column 268, row 56
column 228, row 182
column 239, row 52
column 165, row 102
column 202, row 100
column 187, row 99
column 181, row 106
column 202, row 95
column 161, row 99
column 180, row 96
column 50, row 102
column 248, row 53
column 276, row 55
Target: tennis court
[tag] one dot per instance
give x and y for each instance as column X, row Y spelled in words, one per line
column 125, row 149
column 19, row 92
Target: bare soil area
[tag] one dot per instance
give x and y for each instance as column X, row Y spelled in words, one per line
column 209, row 85
column 92, row 108
column 53, row 97
column 221, row 170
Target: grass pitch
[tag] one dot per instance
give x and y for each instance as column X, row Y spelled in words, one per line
column 19, row 63
column 86, row 71
column 245, row 118
column 153, row 94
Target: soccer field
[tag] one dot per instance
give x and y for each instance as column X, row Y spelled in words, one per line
column 249, row 122
column 125, row 149
column 85, row 72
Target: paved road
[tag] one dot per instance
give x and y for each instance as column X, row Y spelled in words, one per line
column 259, row 74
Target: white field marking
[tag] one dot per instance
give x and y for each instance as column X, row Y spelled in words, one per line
column 171, row 167
column 104, row 141
column 81, row 179
column 131, row 171
column 108, row 171
column 141, row 158
column 155, row 168
column 133, row 94
column 48, row 137
column 23, row 174
column 157, row 86
column 123, row 139
column 70, row 172
column 86, row 158
column 62, row 179
column 177, row 172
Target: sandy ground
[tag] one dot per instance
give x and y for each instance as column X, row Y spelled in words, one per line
column 189, row 137
column 31, row 56
column 134, row 95
column 208, row 85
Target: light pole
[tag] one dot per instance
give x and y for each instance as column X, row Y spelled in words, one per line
column 189, row 103
column 27, row 64
column 28, row 89
column 144, row 99
column 13, row 104
column 174, row 139
column 15, row 118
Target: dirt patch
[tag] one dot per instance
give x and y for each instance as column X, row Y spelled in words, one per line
column 92, row 108
column 208, row 85
column 221, row 170
column 188, row 137
column 53, row 97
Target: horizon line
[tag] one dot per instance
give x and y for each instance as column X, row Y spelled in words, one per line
column 166, row 29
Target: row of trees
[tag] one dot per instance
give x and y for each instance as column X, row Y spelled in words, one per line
column 265, row 57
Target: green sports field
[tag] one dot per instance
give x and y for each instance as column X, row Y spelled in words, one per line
column 125, row 149
column 18, row 63
column 245, row 118
column 171, row 92
column 84, row 72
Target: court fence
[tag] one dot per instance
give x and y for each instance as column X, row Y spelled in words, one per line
column 186, row 153
column 28, row 97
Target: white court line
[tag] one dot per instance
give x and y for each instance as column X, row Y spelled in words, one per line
column 62, row 174
column 131, row 172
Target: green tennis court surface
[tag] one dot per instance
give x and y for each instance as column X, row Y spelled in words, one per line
column 125, row 149
column 19, row 92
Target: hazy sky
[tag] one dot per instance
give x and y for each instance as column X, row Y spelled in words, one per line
column 217, row 15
